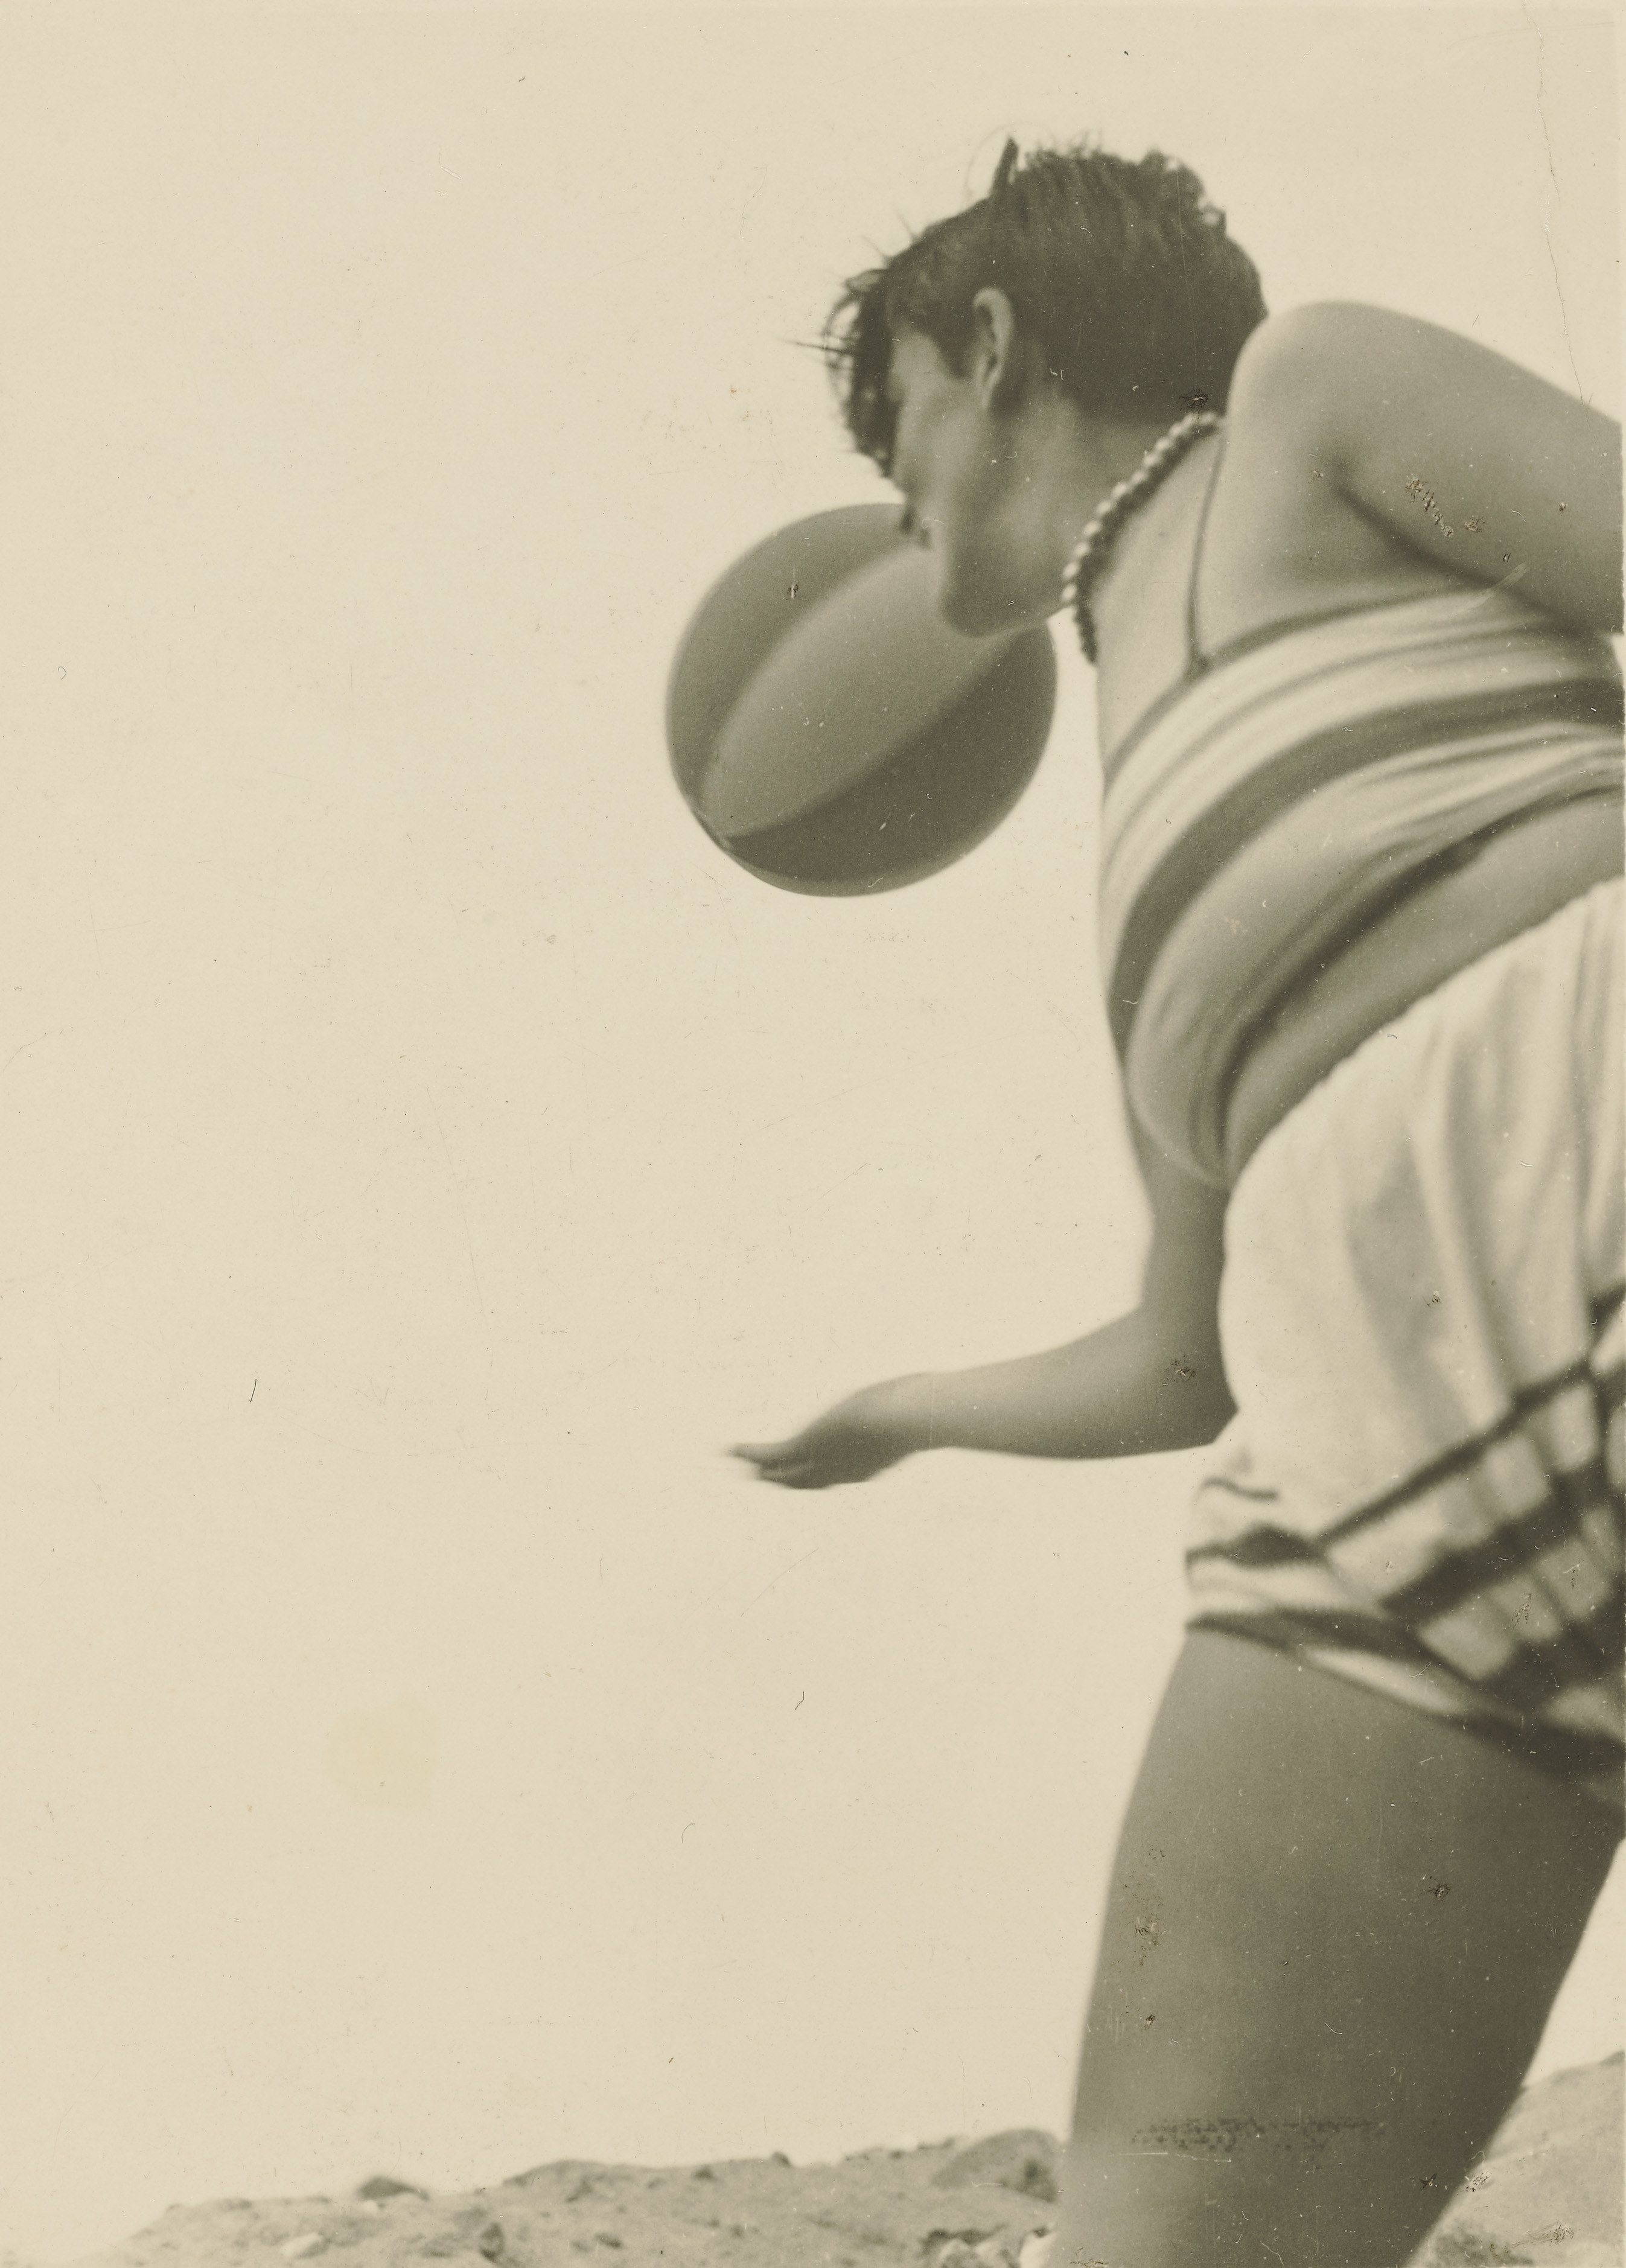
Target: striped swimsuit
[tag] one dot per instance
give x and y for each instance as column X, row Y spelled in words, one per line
column 1421, row 1310
column 1292, row 791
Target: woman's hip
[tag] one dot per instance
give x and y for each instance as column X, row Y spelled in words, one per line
column 1422, row 1320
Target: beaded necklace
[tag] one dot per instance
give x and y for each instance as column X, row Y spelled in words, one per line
column 1092, row 551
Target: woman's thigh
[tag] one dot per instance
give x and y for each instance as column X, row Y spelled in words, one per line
column 1335, row 1930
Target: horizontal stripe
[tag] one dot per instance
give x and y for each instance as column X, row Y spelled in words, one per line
column 1215, row 737
column 1571, row 1495
column 1410, row 800
column 1465, row 1454
column 1266, row 814
column 1233, row 650
column 1387, row 958
column 1310, row 1586
column 1445, row 1477
column 1257, row 1548
column 1174, row 782
column 1358, row 1633
column 1231, row 821
column 1234, row 973
column 1337, row 848
column 1308, row 650
column 1525, row 1404
column 1510, row 1483
column 1460, row 1574
column 1575, row 1657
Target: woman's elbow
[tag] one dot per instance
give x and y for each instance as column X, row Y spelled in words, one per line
column 1194, row 1402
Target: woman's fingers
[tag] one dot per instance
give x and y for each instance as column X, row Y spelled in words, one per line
column 789, row 1464
column 770, row 1458
column 786, row 1471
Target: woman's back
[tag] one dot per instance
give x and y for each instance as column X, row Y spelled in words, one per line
column 1262, row 524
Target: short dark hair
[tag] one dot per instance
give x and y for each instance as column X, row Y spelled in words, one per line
column 1119, row 269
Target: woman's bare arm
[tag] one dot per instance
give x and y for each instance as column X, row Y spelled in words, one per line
column 1457, row 453
column 1149, row 1380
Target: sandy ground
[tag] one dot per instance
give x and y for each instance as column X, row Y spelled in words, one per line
column 1549, row 2192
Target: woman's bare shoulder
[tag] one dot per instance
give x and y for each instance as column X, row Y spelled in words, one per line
column 1457, row 452
column 1342, row 351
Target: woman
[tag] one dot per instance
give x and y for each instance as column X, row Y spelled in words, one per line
column 1348, row 577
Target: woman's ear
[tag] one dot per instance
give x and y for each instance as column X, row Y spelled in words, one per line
column 998, row 355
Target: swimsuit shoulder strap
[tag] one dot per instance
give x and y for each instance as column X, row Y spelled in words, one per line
column 1196, row 660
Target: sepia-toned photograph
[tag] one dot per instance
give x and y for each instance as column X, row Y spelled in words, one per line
column 811, row 1210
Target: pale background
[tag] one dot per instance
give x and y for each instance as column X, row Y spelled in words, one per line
column 423, row 1152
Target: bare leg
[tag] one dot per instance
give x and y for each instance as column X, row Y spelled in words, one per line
column 1335, row 1931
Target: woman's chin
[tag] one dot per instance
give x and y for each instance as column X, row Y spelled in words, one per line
column 980, row 609
column 974, row 613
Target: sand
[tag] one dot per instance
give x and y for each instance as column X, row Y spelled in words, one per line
column 1547, row 2193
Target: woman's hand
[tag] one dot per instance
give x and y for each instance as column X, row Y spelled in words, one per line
column 878, row 1427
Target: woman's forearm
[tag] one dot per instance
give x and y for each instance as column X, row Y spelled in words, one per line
column 1152, row 1380
column 1131, row 1388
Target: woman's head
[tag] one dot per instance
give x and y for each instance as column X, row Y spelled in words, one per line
column 1123, row 281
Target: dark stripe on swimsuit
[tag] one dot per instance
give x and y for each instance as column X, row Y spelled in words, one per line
column 1259, row 1547
column 1371, row 912
column 1228, row 825
column 1556, row 1521
column 1341, row 1631
column 1587, row 1652
column 1465, row 1456
column 1489, row 628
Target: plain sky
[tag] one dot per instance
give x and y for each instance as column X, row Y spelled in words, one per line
column 424, row 1152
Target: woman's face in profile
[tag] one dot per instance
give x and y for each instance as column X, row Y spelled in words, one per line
column 953, row 461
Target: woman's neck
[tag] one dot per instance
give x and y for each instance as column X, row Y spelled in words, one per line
column 1089, row 456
